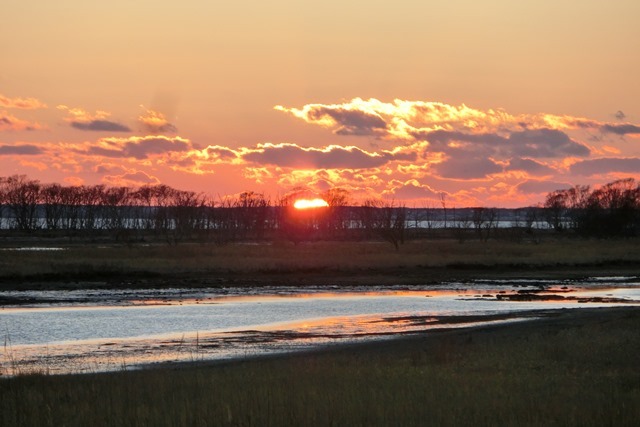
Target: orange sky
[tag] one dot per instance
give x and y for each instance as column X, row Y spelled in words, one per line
column 490, row 103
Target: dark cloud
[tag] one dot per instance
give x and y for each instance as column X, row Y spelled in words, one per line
column 540, row 187
column 100, row 126
column 20, row 150
column 606, row 165
column 546, row 143
column 139, row 148
column 528, row 165
column 467, row 168
column 549, row 143
column 620, row 115
column 624, row 129
column 351, row 122
column 334, row 157
column 222, row 153
column 440, row 138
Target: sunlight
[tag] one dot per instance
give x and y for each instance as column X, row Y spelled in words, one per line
column 310, row 204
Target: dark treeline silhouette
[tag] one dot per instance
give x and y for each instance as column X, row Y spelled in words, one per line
column 612, row 210
column 160, row 212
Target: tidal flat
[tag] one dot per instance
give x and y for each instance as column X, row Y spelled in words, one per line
column 576, row 367
column 569, row 367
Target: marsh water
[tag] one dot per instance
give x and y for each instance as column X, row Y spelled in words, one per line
column 98, row 330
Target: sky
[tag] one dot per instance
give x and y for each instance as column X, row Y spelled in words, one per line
column 479, row 103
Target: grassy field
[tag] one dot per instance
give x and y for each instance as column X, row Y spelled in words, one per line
column 422, row 261
column 579, row 367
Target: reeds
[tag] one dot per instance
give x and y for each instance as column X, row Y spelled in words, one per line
column 92, row 263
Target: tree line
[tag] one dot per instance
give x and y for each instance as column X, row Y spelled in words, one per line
column 161, row 212
column 608, row 211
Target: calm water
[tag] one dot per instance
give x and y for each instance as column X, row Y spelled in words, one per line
column 81, row 331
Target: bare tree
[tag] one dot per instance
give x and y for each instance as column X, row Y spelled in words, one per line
column 387, row 219
column 52, row 196
column 22, row 197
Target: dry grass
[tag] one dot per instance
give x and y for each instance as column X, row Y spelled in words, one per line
column 86, row 261
column 578, row 369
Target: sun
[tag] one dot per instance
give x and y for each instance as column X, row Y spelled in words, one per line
column 310, row 203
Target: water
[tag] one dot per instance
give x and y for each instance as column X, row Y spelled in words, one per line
column 97, row 330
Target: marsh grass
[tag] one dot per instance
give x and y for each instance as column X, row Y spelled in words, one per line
column 87, row 262
column 578, row 369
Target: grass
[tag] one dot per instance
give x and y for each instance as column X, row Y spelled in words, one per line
column 579, row 368
column 419, row 258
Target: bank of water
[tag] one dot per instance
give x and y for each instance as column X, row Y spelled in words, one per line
column 97, row 330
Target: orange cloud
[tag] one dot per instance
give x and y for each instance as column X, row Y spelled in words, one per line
column 409, row 120
column 9, row 122
column 81, row 119
column 131, row 178
column 74, row 180
column 155, row 122
column 329, row 157
column 136, row 147
column 21, row 103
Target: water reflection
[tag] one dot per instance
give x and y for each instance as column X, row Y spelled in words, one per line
column 100, row 330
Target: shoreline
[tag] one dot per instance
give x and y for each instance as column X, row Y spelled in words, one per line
column 398, row 276
column 516, row 325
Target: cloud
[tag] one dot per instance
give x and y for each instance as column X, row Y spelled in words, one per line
column 467, row 168
column 606, row 165
column 131, row 178
column 75, row 181
column 21, row 103
column 155, row 122
column 441, row 138
column 81, row 119
column 20, row 150
column 529, row 166
column 401, row 119
column 621, row 129
column 620, row 115
column 408, row 120
column 545, row 143
column 411, row 190
column 346, row 119
column 100, row 126
column 216, row 152
column 540, row 187
column 9, row 122
column 351, row 122
column 330, row 157
column 137, row 147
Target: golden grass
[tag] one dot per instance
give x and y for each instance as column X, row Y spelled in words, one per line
column 86, row 261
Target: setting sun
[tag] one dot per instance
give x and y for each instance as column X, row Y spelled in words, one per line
column 309, row 204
